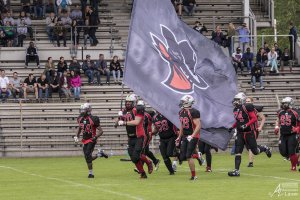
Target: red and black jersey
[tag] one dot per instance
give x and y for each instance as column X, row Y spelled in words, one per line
column 186, row 117
column 245, row 115
column 88, row 126
column 134, row 131
column 148, row 124
column 286, row 120
column 166, row 129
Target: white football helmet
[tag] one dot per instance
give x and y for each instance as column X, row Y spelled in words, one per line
column 287, row 102
column 85, row 108
column 130, row 101
column 239, row 99
column 186, row 101
column 140, row 103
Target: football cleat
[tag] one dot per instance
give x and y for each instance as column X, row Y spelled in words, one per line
column 268, row 151
column 294, row 169
column 201, row 160
column 174, row 166
column 208, row 169
column 250, row 164
column 101, row 153
column 91, row 176
column 157, row 164
column 136, row 170
column 150, row 167
column 234, row 173
column 143, row 175
column 193, row 178
column 172, row 173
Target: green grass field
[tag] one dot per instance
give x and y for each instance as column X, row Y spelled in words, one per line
column 66, row 179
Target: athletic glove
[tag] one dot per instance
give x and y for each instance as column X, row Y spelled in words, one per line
column 120, row 113
column 76, row 139
column 189, row 138
column 296, row 129
column 243, row 127
column 121, row 123
column 276, row 130
column 94, row 139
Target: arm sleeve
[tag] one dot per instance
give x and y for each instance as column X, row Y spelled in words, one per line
column 96, row 121
column 253, row 118
column 195, row 113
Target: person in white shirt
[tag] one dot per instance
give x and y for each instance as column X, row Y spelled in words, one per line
column 4, row 83
column 272, row 60
column 237, row 60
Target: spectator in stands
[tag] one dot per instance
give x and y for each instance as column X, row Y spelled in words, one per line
column 266, row 47
column 66, row 20
column 51, row 7
column 16, row 84
column 285, row 59
column 86, row 36
column 32, row 55
column 62, row 66
column 75, row 84
column 88, row 68
column 199, row 27
column 230, row 33
column 4, row 84
column 95, row 5
column 178, row 6
column 9, row 18
column 217, row 36
column 39, row 8
column 189, row 6
column 101, row 65
column 257, row 74
column 248, row 59
column 243, row 36
column 83, row 4
column 65, row 85
column 115, row 68
column 49, row 69
column 279, row 54
column 51, row 21
column 22, row 32
column 27, row 22
column 293, row 39
column 76, row 15
column 75, row 66
column 54, row 85
column 30, row 85
column 60, row 32
column 237, row 60
column 272, row 60
column 43, row 87
column 75, row 32
column 261, row 58
column 10, row 33
column 63, row 5
column 93, row 23
column 25, row 4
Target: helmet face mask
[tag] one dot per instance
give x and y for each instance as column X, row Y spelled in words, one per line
column 130, row 101
column 287, row 103
column 186, row 101
column 239, row 99
column 85, row 109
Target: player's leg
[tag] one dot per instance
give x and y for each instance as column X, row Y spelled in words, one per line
column 183, row 149
column 190, row 150
column 256, row 149
column 251, row 158
column 88, row 150
column 141, row 158
column 239, row 147
column 151, row 155
column 292, row 145
column 163, row 147
column 208, row 157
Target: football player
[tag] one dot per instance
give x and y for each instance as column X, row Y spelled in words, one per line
column 90, row 129
column 246, row 120
column 287, row 124
column 189, row 132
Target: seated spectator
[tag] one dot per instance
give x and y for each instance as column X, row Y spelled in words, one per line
column 217, row 36
column 178, row 6
column 63, row 5
column 256, row 74
column 10, row 33
column 266, row 47
column 22, row 32
column 8, row 18
column 189, row 6
column 49, row 69
column 59, row 33
column 279, row 53
column 4, row 84
column 39, row 8
column 244, row 33
column 261, row 58
column 51, row 21
column 101, row 66
column 43, row 87
column 65, row 85
column 199, row 27
column 30, row 85
column 27, row 23
column 51, row 7
column 75, row 66
column 76, row 14
column 66, row 20
column 237, row 60
column 88, row 68
column 115, row 68
column 75, row 84
column 285, row 59
column 272, row 60
column 54, row 85
column 32, row 55
column 62, row 66
column 16, row 86
column 248, row 59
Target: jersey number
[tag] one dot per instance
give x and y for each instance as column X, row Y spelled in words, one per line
column 285, row 120
column 162, row 125
column 185, row 122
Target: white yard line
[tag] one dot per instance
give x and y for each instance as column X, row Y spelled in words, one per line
column 73, row 183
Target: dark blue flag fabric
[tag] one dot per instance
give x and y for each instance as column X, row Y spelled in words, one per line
column 167, row 59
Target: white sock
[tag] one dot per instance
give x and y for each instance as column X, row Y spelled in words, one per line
column 90, row 171
column 174, row 162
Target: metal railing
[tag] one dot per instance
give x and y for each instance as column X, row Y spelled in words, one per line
column 265, row 6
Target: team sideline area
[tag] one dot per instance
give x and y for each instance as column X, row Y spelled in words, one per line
column 65, row 178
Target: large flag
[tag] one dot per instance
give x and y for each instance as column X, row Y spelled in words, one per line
column 167, row 59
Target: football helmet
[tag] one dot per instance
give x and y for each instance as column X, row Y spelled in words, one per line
column 287, row 103
column 130, row 101
column 239, row 99
column 140, row 106
column 86, row 109
column 186, row 101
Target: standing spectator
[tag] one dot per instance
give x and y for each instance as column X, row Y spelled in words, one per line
column 272, row 60
column 95, row 5
column 293, row 41
column 230, row 33
column 75, row 66
column 199, row 27
column 101, row 65
column 261, row 58
column 88, row 67
column 22, row 31
column 10, row 33
column 243, row 36
column 75, row 32
column 256, row 74
column 86, row 36
column 62, row 66
column 60, row 32
column 93, row 23
column 16, row 84
column 54, row 85
column 248, row 59
column 43, row 87
column 65, row 85
column 32, row 55
column 178, row 6
column 51, row 21
column 217, row 36
column 83, row 4
column 30, row 85
column 4, row 84
column 285, row 59
column 51, row 7
column 63, row 5
column 49, row 68
column 189, row 7
column 237, row 60
column 115, row 67
column 27, row 22
column 75, row 84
